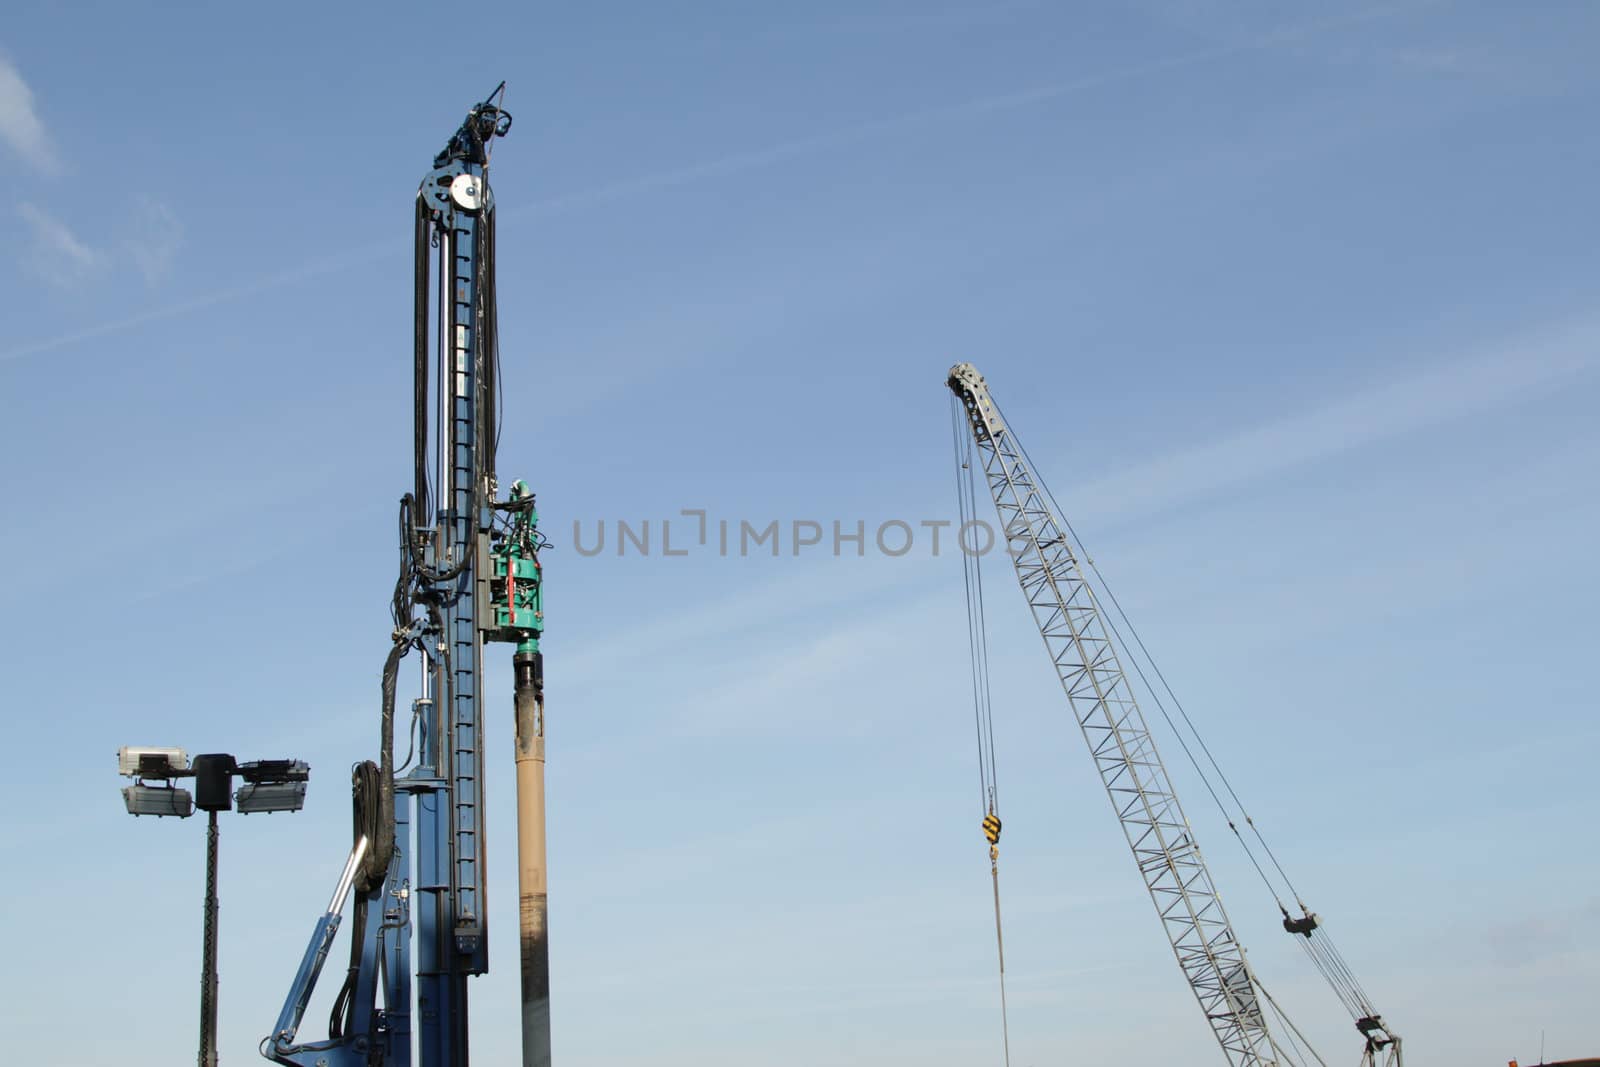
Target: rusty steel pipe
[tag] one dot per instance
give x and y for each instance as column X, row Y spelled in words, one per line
column 532, row 872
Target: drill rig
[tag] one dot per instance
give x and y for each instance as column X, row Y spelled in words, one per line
column 469, row 574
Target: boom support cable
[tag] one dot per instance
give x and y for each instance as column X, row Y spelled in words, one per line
column 1310, row 931
column 1085, row 647
column 1296, row 1038
column 1155, row 695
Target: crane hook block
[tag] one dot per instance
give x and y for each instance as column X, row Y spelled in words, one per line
column 991, row 828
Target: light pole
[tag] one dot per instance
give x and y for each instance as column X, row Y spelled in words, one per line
column 269, row 785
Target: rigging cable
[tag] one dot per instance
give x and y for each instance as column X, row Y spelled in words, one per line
column 977, row 636
column 1295, row 1036
column 1325, row 957
column 982, row 701
column 1138, row 667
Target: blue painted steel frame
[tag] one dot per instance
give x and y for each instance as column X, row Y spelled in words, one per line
column 451, row 927
column 354, row 1049
column 397, row 948
column 465, row 519
column 441, row 897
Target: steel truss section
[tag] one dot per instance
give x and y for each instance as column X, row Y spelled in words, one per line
column 1103, row 703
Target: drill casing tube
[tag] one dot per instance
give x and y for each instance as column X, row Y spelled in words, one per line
column 531, row 862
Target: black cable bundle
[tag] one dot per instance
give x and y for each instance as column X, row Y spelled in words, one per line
column 371, row 818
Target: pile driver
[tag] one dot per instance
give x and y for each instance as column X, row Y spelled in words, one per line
column 469, row 574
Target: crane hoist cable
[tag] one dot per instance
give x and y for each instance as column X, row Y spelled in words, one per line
column 982, row 700
column 1101, row 700
column 1308, row 927
column 977, row 635
column 991, row 829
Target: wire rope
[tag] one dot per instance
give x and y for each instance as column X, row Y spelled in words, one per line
column 982, row 696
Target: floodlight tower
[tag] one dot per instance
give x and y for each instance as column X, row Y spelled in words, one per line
column 269, row 785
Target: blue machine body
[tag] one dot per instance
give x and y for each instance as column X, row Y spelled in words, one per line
column 417, row 868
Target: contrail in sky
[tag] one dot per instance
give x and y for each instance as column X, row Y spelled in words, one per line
column 1504, row 373
column 729, row 164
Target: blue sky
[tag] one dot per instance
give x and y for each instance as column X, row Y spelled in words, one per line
column 1295, row 308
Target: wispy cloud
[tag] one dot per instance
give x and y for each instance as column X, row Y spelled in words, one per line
column 977, row 107
column 748, row 700
column 20, row 126
column 1439, row 393
column 1526, row 940
column 156, row 239
column 55, row 253
column 263, row 284
column 754, row 159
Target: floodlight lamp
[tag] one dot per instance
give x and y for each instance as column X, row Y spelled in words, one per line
column 144, row 761
column 275, row 771
column 270, row 796
column 158, row 800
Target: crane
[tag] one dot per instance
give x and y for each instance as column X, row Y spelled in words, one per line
column 1083, row 645
column 469, row 574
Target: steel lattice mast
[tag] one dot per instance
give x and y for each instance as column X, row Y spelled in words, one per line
column 1103, row 703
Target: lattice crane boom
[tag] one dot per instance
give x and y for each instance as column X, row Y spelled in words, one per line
column 1103, row 703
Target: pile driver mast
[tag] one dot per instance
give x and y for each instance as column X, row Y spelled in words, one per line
column 469, row 574
column 1083, row 650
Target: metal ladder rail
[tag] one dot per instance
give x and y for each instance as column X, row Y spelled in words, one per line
column 466, row 652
